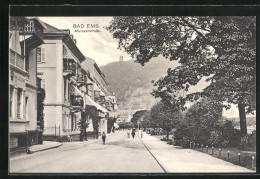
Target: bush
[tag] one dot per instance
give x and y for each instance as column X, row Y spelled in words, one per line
column 243, row 142
column 224, row 143
column 185, row 142
column 235, row 138
column 252, row 139
column 215, row 138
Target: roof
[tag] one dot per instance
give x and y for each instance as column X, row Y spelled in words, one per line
column 52, row 31
column 38, row 20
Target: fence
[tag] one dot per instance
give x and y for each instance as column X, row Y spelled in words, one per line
column 55, row 131
column 234, row 155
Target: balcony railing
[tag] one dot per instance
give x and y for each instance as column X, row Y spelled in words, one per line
column 69, row 66
column 82, row 78
column 17, row 59
column 76, row 101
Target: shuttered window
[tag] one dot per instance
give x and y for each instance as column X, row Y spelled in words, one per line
column 40, row 54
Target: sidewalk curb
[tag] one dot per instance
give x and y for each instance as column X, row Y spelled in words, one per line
column 31, row 152
column 153, row 155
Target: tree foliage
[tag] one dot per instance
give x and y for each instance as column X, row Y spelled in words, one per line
column 145, row 123
column 84, row 123
column 93, row 114
column 165, row 117
column 203, row 123
column 138, row 116
column 40, row 107
column 222, row 49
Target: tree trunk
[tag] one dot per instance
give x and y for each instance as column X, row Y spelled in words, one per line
column 167, row 135
column 242, row 117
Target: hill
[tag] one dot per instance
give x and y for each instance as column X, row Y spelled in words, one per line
column 131, row 82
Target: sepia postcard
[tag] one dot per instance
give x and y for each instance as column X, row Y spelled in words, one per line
column 132, row 94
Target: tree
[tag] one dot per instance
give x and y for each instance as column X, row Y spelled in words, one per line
column 222, row 49
column 40, row 107
column 200, row 119
column 93, row 114
column 125, row 125
column 84, row 123
column 165, row 117
column 40, row 112
column 137, row 117
column 145, row 123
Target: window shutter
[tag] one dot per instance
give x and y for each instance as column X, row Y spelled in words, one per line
column 38, row 54
column 43, row 54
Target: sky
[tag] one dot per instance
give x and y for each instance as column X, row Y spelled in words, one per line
column 99, row 46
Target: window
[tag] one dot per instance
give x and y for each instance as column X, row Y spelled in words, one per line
column 29, row 27
column 40, row 54
column 11, row 100
column 43, row 83
column 19, row 96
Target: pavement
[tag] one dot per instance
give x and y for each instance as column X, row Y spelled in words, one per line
column 45, row 146
column 120, row 155
column 175, row 159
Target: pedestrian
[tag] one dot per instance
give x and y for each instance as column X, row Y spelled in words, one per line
column 104, row 138
column 128, row 134
column 133, row 133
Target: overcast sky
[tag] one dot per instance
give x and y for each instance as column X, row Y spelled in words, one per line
column 99, row 46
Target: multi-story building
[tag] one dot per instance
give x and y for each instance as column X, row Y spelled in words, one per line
column 24, row 37
column 70, row 85
column 98, row 91
column 58, row 64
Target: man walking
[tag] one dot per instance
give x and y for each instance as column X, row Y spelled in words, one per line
column 104, row 138
column 133, row 133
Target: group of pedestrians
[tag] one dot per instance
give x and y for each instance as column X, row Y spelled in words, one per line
column 128, row 134
column 133, row 133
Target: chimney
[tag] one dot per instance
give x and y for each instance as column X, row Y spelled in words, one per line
column 66, row 31
column 121, row 58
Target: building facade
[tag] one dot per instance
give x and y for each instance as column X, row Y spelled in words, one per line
column 72, row 83
column 58, row 65
column 24, row 37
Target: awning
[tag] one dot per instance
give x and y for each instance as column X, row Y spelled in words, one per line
column 116, row 125
column 90, row 102
column 111, row 114
column 102, row 94
column 77, row 92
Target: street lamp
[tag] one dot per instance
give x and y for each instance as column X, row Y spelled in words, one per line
column 138, row 126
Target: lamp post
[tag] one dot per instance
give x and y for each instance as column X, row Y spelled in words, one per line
column 138, row 126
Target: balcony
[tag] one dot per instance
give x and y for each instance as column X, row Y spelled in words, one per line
column 77, row 102
column 17, row 60
column 82, row 78
column 69, row 67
